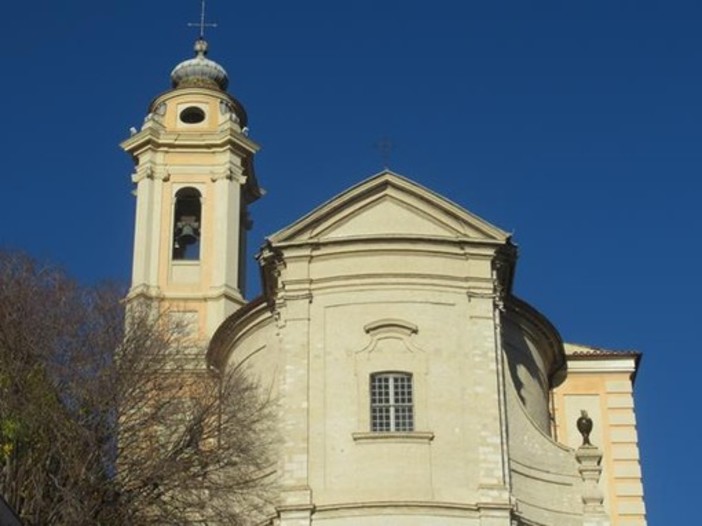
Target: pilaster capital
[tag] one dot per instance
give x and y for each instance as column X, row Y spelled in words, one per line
column 232, row 172
column 142, row 173
column 149, row 172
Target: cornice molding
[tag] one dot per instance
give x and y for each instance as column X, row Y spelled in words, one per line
column 540, row 327
column 189, row 141
column 599, row 364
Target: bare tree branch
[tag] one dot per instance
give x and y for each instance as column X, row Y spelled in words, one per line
column 105, row 425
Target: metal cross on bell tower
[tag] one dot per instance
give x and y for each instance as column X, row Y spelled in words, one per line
column 190, row 229
column 202, row 24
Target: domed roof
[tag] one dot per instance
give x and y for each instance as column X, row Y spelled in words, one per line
column 199, row 71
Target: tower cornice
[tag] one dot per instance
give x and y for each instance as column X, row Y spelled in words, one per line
column 189, row 141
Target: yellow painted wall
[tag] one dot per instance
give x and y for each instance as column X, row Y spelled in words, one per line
column 602, row 385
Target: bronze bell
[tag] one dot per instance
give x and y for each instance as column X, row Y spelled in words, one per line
column 187, row 231
column 187, row 236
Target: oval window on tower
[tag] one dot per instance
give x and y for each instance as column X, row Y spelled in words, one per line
column 192, row 115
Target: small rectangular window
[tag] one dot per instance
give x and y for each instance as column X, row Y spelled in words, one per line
column 391, row 402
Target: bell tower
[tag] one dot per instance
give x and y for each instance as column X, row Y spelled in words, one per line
column 194, row 178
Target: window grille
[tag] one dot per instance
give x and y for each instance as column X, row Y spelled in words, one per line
column 391, row 402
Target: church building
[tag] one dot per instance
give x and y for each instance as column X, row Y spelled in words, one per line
column 414, row 387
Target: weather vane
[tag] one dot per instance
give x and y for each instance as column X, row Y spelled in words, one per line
column 202, row 24
column 385, row 147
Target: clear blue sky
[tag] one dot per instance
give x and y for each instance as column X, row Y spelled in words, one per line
column 576, row 125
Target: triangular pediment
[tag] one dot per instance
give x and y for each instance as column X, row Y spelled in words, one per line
column 389, row 205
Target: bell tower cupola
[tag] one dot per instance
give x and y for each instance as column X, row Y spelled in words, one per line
column 194, row 177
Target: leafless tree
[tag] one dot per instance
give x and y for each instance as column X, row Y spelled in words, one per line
column 102, row 424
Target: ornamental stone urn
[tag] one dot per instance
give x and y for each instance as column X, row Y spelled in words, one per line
column 584, row 424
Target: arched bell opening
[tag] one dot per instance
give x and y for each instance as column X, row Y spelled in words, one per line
column 186, row 225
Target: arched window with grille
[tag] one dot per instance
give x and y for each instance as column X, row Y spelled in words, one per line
column 392, row 406
column 186, row 224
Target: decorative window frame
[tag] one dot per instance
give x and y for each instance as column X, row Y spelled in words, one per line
column 391, row 350
column 202, row 106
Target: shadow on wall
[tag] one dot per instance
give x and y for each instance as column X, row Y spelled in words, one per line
column 527, row 372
